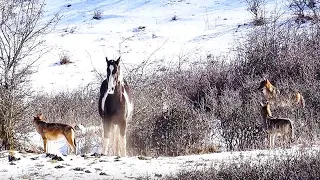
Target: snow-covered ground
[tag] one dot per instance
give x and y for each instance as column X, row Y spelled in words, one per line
column 38, row 166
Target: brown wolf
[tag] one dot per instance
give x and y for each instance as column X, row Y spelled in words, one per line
column 54, row 131
column 276, row 126
column 272, row 94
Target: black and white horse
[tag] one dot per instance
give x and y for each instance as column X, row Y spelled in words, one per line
column 115, row 108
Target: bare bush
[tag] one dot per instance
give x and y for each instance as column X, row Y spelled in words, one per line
column 165, row 121
column 256, row 8
column 301, row 9
column 77, row 106
column 174, row 18
column 89, row 141
column 289, row 56
column 97, row 14
column 314, row 7
column 64, row 58
column 298, row 6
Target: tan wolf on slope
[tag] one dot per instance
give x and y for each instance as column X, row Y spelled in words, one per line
column 54, row 131
column 273, row 95
column 276, row 127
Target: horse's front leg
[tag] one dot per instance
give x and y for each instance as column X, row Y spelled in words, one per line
column 106, row 136
column 123, row 140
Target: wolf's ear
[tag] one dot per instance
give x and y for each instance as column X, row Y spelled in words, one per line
column 40, row 116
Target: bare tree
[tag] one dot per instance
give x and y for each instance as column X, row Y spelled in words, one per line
column 21, row 45
column 256, row 8
column 298, row 6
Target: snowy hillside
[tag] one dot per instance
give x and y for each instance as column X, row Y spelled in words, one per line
column 141, row 30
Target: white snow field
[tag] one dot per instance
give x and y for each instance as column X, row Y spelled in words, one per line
column 140, row 30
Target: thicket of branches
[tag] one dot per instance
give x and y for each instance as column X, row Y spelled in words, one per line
column 21, row 30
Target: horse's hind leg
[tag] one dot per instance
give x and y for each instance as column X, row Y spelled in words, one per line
column 116, row 136
column 106, row 136
column 270, row 140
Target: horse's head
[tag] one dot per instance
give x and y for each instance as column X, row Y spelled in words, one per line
column 113, row 73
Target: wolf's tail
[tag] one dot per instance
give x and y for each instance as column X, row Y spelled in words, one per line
column 73, row 136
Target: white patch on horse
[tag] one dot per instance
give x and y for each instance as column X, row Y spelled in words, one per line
column 120, row 78
column 103, row 101
column 111, row 81
column 129, row 104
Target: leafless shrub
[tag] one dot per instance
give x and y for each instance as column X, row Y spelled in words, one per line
column 314, row 7
column 298, row 6
column 88, row 141
column 165, row 121
column 97, row 14
column 301, row 9
column 256, row 8
column 64, row 58
column 20, row 38
column 70, row 30
column 77, row 106
column 174, row 18
column 289, row 56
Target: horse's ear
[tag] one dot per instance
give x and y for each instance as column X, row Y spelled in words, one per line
column 107, row 59
column 118, row 60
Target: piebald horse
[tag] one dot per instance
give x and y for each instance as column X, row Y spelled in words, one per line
column 115, row 108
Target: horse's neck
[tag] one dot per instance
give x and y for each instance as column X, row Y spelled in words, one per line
column 119, row 91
